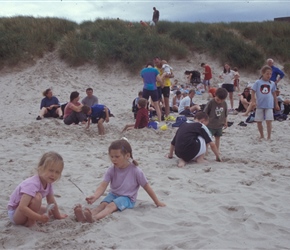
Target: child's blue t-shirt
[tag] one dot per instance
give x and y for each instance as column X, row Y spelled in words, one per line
column 264, row 93
column 97, row 110
column 149, row 78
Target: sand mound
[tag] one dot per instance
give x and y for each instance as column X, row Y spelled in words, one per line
column 240, row 203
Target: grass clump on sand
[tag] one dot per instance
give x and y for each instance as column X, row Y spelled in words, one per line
column 22, row 38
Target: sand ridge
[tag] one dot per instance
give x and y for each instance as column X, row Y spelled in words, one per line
column 240, row 203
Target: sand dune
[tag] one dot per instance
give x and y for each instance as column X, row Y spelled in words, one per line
column 241, row 203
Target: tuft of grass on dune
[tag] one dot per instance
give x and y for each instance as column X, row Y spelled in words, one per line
column 22, row 37
column 106, row 41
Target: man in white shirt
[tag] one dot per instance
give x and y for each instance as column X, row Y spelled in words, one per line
column 186, row 106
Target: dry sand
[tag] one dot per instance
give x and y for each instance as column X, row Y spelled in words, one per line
column 241, row 203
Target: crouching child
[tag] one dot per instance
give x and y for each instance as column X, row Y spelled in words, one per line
column 98, row 113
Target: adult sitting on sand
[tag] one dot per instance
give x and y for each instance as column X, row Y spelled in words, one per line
column 190, row 140
column 73, row 110
column 186, row 106
column 176, row 101
column 90, row 100
column 245, row 100
column 49, row 106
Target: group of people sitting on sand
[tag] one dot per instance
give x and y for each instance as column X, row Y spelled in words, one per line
column 74, row 112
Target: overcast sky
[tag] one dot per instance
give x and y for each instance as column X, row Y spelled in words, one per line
column 189, row 11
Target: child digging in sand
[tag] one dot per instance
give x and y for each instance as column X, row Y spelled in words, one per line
column 97, row 114
column 24, row 207
column 191, row 140
column 125, row 178
column 264, row 92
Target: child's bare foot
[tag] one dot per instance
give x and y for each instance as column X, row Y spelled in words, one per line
column 88, row 215
column 202, row 160
column 181, row 163
column 79, row 213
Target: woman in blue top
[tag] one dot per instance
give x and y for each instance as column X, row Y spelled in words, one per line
column 49, row 106
column 150, row 76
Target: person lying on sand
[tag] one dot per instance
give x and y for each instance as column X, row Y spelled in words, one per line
column 125, row 178
column 191, row 139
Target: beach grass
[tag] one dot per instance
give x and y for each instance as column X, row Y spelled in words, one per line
column 106, row 41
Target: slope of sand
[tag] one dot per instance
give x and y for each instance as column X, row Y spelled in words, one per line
column 241, row 203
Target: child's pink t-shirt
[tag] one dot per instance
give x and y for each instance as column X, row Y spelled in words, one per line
column 68, row 109
column 125, row 181
column 30, row 186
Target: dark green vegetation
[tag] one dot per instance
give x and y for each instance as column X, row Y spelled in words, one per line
column 245, row 45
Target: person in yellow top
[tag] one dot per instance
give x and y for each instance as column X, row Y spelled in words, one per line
column 164, row 87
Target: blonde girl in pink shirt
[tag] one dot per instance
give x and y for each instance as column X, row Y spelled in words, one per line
column 25, row 204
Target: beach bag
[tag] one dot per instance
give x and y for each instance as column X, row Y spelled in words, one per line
column 286, row 109
column 280, row 117
column 251, row 118
column 179, row 120
column 152, row 124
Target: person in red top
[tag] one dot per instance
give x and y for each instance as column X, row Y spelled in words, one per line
column 207, row 75
column 142, row 117
column 211, row 93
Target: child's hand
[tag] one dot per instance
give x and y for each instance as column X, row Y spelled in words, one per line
column 160, row 204
column 91, row 199
column 107, row 119
column 44, row 218
column 169, row 156
column 277, row 107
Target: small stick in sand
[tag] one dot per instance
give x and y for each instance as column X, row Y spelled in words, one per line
column 77, row 187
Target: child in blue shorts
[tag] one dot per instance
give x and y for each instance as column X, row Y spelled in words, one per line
column 125, row 178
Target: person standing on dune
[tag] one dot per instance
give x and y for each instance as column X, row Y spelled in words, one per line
column 155, row 17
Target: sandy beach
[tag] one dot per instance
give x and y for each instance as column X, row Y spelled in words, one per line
column 240, row 203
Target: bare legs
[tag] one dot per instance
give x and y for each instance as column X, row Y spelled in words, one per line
column 269, row 129
column 231, row 99
column 157, row 109
column 35, row 205
column 101, row 128
column 91, row 215
column 166, row 104
column 44, row 111
column 217, row 143
column 249, row 109
column 128, row 127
